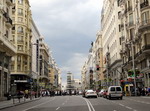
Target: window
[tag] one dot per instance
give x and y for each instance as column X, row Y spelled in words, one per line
column 20, row 11
column 20, row 19
column 118, row 89
column 132, row 33
column 143, row 64
column 112, row 89
column 130, row 19
column 20, row 2
column 12, row 67
column 147, row 39
column 19, row 58
column 20, row 38
column 20, row 29
column 18, row 67
column 119, row 14
column 20, row 47
column 145, row 17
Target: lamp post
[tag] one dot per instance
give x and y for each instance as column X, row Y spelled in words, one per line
column 133, row 67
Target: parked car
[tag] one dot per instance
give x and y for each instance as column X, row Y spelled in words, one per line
column 114, row 92
column 100, row 94
column 105, row 94
column 90, row 93
column 84, row 92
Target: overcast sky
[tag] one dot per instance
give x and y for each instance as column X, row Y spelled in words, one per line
column 68, row 27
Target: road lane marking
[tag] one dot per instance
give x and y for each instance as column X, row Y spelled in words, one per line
column 121, row 104
column 128, row 107
column 140, row 101
column 57, row 108
column 87, row 104
column 91, row 105
column 39, row 105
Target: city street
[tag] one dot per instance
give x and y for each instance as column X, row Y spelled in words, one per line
column 78, row 103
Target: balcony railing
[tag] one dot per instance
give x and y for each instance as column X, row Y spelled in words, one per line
column 146, row 47
column 9, row 21
column 144, row 24
column 144, row 4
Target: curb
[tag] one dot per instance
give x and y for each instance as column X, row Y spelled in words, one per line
column 17, row 104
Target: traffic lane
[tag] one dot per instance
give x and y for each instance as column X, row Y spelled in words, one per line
column 131, row 104
column 75, row 103
column 52, row 106
column 63, row 103
column 109, row 105
column 145, row 99
column 24, row 106
column 137, row 103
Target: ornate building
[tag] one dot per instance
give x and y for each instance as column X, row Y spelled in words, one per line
column 7, row 49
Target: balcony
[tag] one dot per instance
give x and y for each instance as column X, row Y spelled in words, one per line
column 14, row 8
column 144, row 4
column 146, row 48
column 7, row 46
column 9, row 22
column 144, row 25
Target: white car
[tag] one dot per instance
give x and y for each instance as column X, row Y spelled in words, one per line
column 114, row 92
column 90, row 93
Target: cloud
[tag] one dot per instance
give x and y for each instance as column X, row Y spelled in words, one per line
column 68, row 26
column 74, row 66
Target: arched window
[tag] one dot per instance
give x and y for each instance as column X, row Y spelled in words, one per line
column 20, row 29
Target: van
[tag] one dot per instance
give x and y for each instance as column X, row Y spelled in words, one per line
column 114, row 92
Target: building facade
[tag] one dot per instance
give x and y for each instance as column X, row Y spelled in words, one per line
column 21, row 72
column 135, row 49
column 44, row 64
column 35, row 56
column 7, row 49
column 111, row 42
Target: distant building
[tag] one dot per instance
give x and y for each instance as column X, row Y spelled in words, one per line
column 69, row 81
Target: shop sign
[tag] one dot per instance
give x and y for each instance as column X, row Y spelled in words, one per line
column 24, row 81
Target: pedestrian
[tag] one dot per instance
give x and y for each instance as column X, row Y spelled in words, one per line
column 26, row 93
column 143, row 92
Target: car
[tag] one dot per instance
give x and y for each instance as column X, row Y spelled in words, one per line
column 90, row 93
column 105, row 94
column 114, row 92
column 100, row 94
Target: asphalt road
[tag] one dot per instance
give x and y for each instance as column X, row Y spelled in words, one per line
column 78, row 103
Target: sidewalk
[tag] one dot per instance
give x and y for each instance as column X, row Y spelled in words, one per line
column 15, row 102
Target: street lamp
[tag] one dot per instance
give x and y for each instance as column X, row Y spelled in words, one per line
column 133, row 68
column 133, row 65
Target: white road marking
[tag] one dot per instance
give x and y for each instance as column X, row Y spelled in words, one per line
column 38, row 105
column 121, row 104
column 91, row 105
column 57, row 108
column 128, row 107
column 87, row 104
